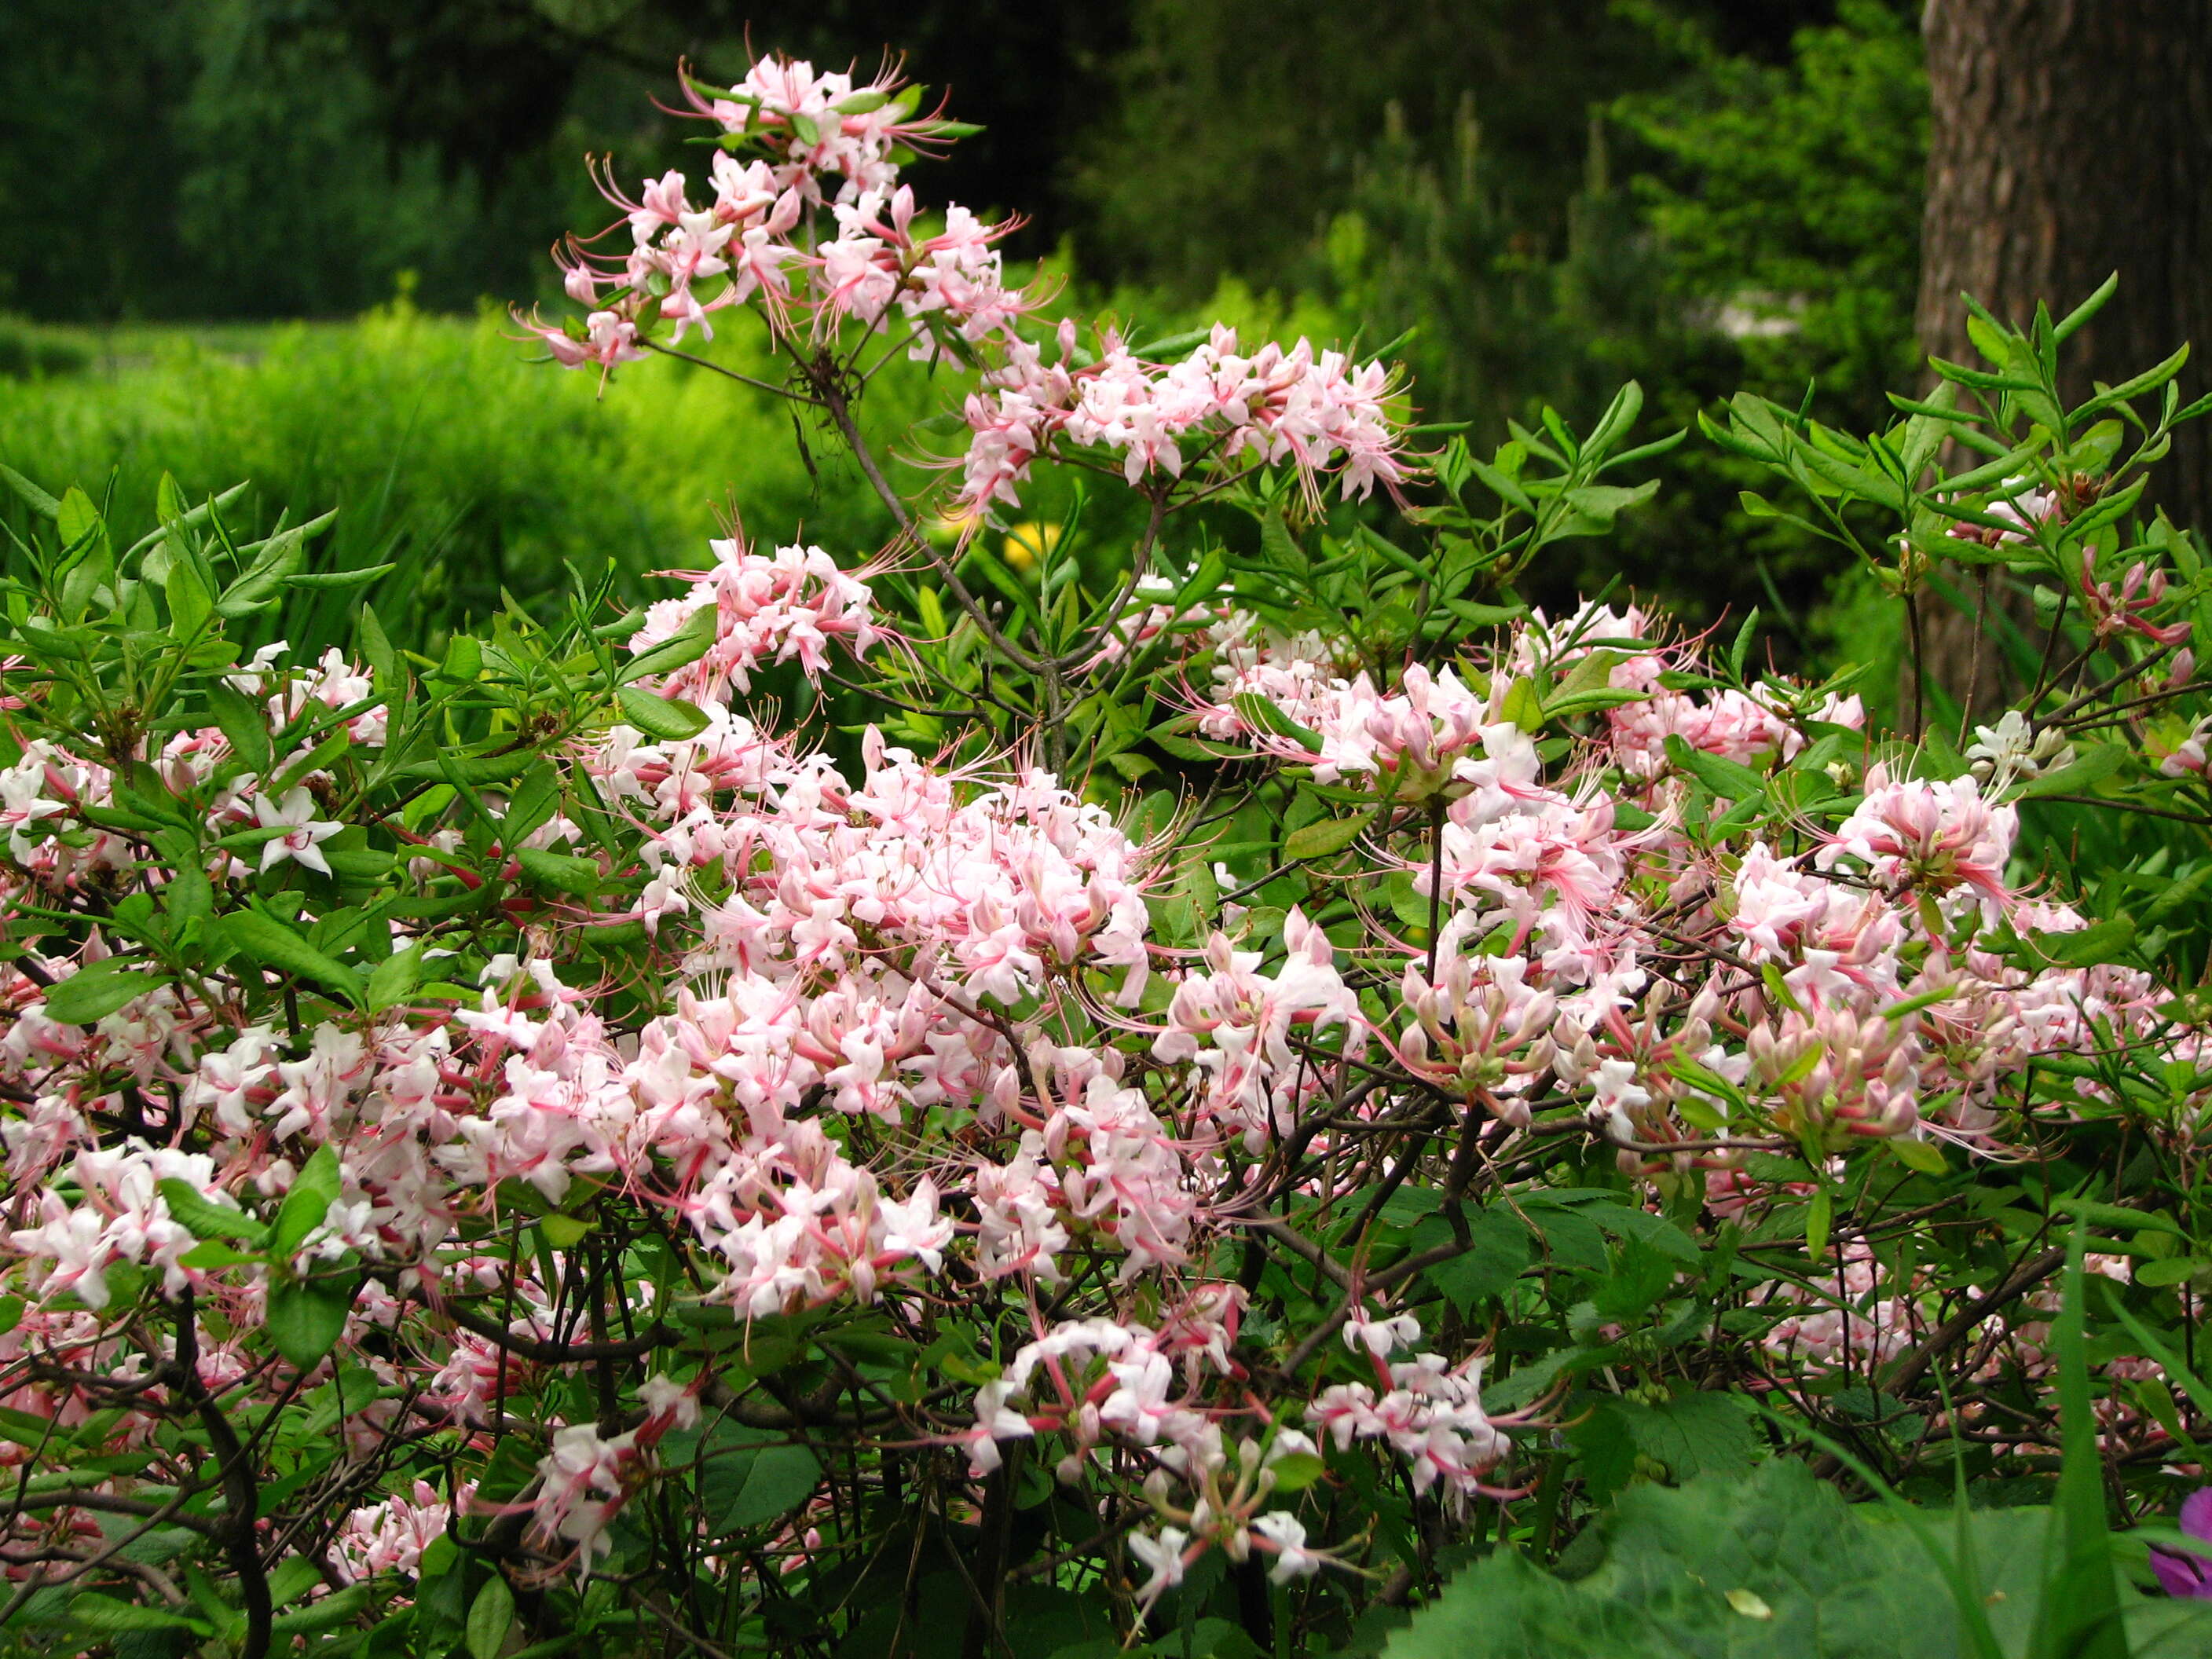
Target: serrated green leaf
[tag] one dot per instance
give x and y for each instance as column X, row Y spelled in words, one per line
column 1498, row 1251
column 1693, row 1434
column 1676, row 1565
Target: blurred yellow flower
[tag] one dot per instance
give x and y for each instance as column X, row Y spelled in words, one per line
column 1026, row 543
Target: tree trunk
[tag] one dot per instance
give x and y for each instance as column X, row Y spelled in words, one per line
column 2071, row 139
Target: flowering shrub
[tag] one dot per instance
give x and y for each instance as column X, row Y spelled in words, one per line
column 1260, row 1063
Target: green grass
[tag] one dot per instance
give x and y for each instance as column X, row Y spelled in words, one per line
column 446, row 448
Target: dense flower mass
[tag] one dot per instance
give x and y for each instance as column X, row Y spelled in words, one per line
column 924, row 961
column 707, row 1109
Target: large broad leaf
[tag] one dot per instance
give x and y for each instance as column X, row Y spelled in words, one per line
column 746, row 1477
column 1775, row 1565
column 1496, row 1252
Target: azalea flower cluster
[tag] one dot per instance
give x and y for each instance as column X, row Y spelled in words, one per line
column 823, row 149
column 1823, row 1002
column 816, row 227
column 1315, row 411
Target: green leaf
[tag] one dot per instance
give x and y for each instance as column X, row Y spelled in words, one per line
column 94, row 993
column 395, row 979
column 1591, row 509
column 77, row 519
column 474, row 770
column 244, row 723
column 190, row 603
column 1297, row 1470
column 561, row 871
column 686, row 645
column 1498, row 1251
column 2169, row 1270
column 376, row 651
column 1693, row 1434
column 292, row 1580
column 313, row 1190
column 93, row 1611
column 1629, row 1221
column 1819, row 1215
column 215, row 1254
column 778, row 1480
column 187, row 895
column 2109, row 940
column 306, row 1317
column 490, row 1616
column 464, row 660
column 264, row 939
column 2115, row 1218
column 1724, row 777
column 564, row 1232
column 1522, row 708
column 339, row 1609
column 203, row 1217
column 2078, row 1615
column 2088, row 308
column 328, row 580
column 1323, row 836
column 1675, row 1568
column 259, row 587
column 670, row 719
column 1924, row 1156
column 2097, row 763
column 1261, row 715
column 33, row 497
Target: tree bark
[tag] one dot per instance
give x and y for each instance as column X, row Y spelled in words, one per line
column 2071, row 139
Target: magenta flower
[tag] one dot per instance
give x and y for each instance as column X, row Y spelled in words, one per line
column 2189, row 1575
